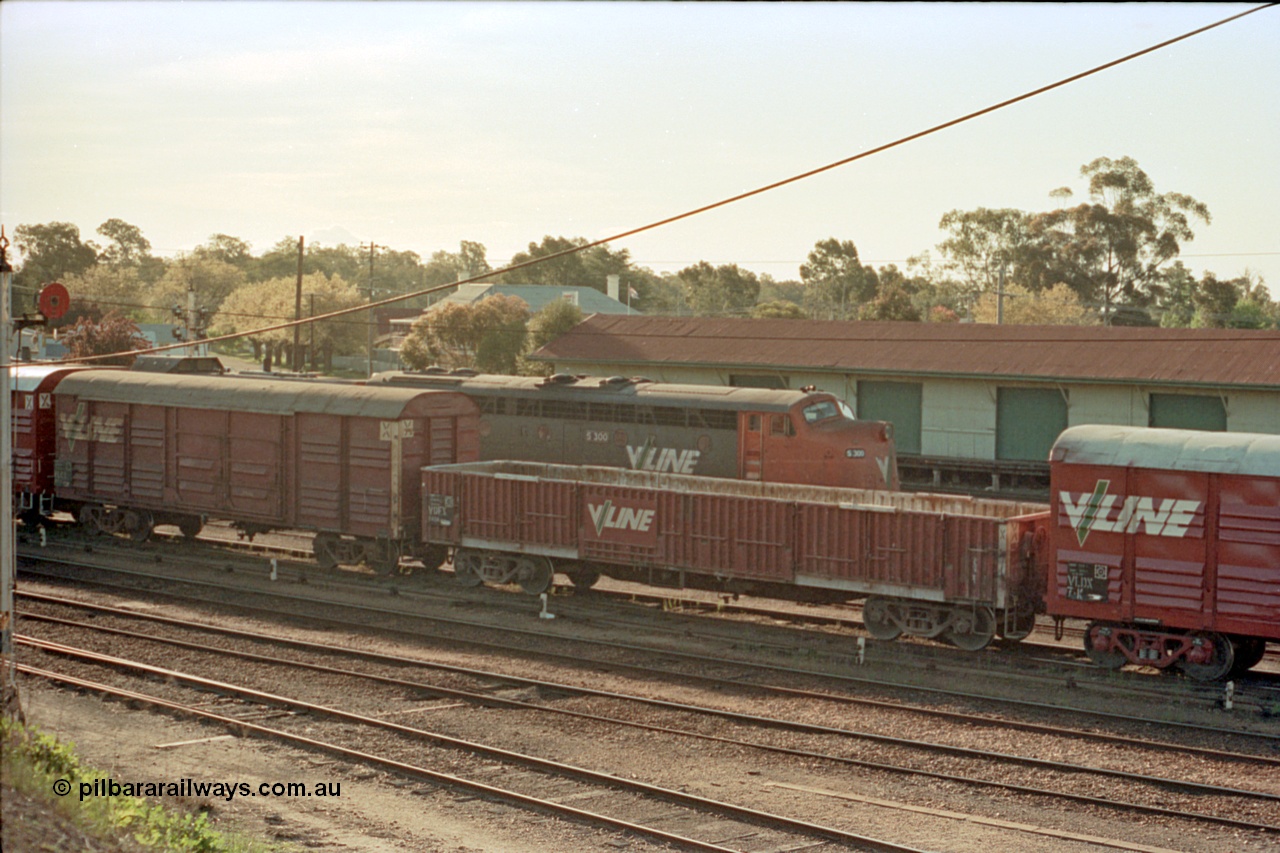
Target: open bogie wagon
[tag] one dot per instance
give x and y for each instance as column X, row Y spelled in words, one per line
column 140, row 449
column 926, row 565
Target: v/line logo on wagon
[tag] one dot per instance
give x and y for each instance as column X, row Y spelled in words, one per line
column 631, row 523
column 1109, row 513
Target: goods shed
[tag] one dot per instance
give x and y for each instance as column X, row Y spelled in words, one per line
column 974, row 406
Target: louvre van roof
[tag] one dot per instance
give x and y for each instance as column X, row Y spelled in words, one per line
column 1183, row 357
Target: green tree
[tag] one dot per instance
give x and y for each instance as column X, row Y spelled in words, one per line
column 836, row 282
column 228, row 249
column 268, row 303
column 111, row 289
column 488, row 335
column 778, row 309
column 586, row 268
column 127, row 246
column 212, row 279
column 552, row 321
column 1057, row 306
column 892, row 302
column 50, row 252
column 1111, row 248
column 719, row 291
column 113, row 334
column 985, row 242
column 445, row 267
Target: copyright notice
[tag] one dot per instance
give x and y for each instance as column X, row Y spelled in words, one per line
column 227, row 791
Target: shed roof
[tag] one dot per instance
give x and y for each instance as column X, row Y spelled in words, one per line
column 538, row 296
column 1184, row 357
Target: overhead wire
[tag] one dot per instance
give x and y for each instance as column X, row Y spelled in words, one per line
column 732, row 199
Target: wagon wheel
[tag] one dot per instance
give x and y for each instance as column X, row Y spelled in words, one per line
column 464, row 569
column 383, row 558
column 325, row 548
column 137, row 524
column 92, row 517
column 972, row 630
column 536, row 574
column 1219, row 664
column 584, row 577
column 190, row 525
column 1110, row 658
column 876, row 618
column 1249, row 653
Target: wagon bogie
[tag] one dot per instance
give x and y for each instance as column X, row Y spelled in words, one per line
column 533, row 573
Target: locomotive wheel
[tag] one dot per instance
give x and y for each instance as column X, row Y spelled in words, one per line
column 1223, row 658
column 1109, row 659
column 875, row 616
column 535, row 575
column 324, row 546
column 972, row 630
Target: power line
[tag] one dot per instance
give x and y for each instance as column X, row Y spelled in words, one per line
column 759, row 190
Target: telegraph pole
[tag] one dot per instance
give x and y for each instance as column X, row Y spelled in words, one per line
column 297, row 314
column 8, row 567
column 372, row 322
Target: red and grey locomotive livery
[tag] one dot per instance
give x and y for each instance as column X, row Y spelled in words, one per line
column 1168, row 541
column 710, row 431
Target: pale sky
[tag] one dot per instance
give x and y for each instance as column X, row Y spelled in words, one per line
column 418, row 124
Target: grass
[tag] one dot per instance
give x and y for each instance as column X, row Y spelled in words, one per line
column 33, row 761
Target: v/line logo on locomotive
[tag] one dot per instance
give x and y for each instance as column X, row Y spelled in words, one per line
column 648, row 457
column 1135, row 513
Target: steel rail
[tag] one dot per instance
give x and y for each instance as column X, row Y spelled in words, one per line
column 447, row 779
column 690, row 656
column 541, row 764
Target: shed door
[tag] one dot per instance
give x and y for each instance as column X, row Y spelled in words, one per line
column 899, row 403
column 1188, row 411
column 1028, row 422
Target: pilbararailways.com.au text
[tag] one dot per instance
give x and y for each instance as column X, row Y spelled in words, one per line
column 191, row 788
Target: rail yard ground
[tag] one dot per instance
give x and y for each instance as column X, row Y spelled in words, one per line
column 382, row 811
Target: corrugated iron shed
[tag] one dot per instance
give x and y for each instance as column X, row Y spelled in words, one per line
column 1086, row 354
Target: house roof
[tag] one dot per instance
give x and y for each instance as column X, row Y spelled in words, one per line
column 538, row 296
column 1185, row 357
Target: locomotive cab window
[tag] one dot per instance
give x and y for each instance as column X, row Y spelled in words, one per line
column 815, row 412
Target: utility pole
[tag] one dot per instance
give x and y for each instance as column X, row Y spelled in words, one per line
column 8, row 558
column 1000, row 300
column 297, row 313
column 372, row 247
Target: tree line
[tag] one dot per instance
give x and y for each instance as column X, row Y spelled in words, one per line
column 1111, row 258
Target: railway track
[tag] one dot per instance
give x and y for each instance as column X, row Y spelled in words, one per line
column 1162, row 790
column 924, row 667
